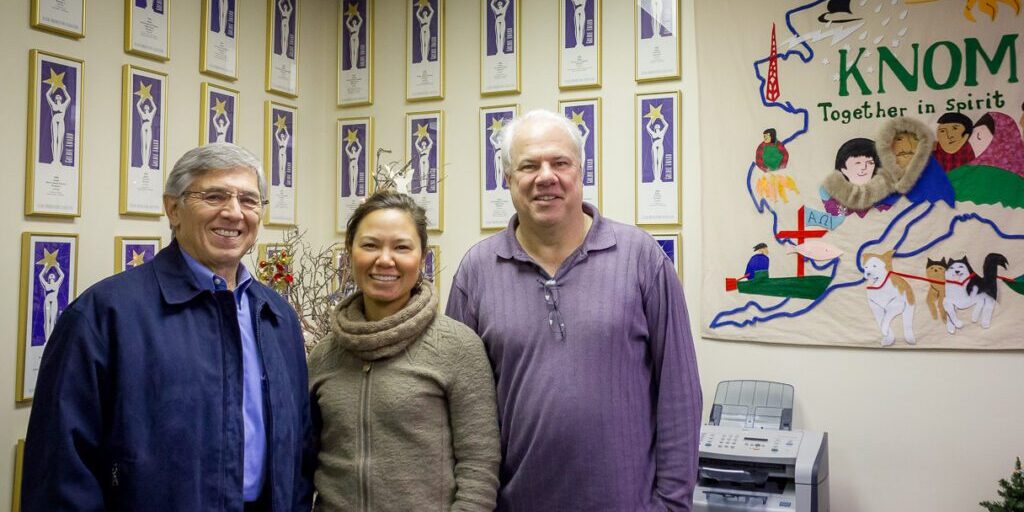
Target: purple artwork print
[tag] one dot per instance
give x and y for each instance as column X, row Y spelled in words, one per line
column 284, row 28
column 282, row 154
column 156, row 5
column 58, row 124
column 579, row 23
column 51, row 281
column 145, row 121
column 494, row 122
column 353, row 168
column 354, row 35
column 222, row 17
column 424, row 30
column 669, row 246
column 219, row 119
column 428, row 266
column 137, row 254
column 657, row 127
column 500, row 16
column 583, row 117
column 656, row 18
column 423, row 139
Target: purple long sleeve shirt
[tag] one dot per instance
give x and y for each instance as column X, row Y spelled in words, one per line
column 599, row 399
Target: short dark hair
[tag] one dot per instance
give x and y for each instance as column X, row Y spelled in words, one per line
column 987, row 121
column 771, row 133
column 957, row 118
column 857, row 147
column 388, row 200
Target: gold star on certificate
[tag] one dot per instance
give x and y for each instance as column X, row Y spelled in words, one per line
column 497, row 124
column 577, row 118
column 421, row 132
column 353, row 10
column 138, row 258
column 219, row 107
column 144, row 91
column 280, row 123
column 56, row 80
column 422, row 3
column 654, row 113
column 351, row 136
column 49, row 259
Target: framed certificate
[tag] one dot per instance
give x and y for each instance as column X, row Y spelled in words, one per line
column 343, row 284
column 143, row 137
column 132, row 251
column 586, row 115
column 147, row 26
column 579, row 53
column 282, row 75
column 218, row 45
column 355, row 53
column 355, row 163
column 432, row 268
column 657, row 41
column 218, row 114
column 424, row 139
column 671, row 245
column 49, row 271
column 424, row 50
column 495, row 200
column 499, row 45
column 54, row 153
column 658, row 187
column 279, row 162
column 63, row 17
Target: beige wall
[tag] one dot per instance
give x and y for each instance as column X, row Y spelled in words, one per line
column 909, row 430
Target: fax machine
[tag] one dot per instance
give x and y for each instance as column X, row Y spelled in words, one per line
column 751, row 460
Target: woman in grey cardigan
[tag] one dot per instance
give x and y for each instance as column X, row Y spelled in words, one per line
column 402, row 396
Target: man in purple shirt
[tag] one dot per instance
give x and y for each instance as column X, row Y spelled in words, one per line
column 179, row 384
column 586, row 328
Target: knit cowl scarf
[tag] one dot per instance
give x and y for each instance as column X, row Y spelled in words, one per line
column 381, row 339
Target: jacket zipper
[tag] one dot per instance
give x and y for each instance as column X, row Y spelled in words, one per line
column 268, row 418
column 364, row 440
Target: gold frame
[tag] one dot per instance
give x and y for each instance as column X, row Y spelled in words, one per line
column 127, row 71
column 36, row 23
column 677, row 20
column 436, row 277
column 204, row 108
column 598, row 146
column 119, row 245
column 27, row 268
column 268, row 113
column 481, row 191
column 440, row 51
column 270, row 50
column 207, row 6
column 30, row 146
column 263, row 248
column 19, row 464
column 439, row 144
column 128, row 43
column 678, row 239
column 599, row 36
column 370, row 43
column 516, row 35
column 678, row 141
column 370, row 169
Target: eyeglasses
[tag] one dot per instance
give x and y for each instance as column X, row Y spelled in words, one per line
column 219, row 198
column 554, row 315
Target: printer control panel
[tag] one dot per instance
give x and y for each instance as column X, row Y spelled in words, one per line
column 745, row 443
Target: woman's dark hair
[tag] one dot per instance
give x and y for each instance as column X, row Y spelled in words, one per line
column 987, row 121
column 857, row 147
column 388, row 200
column 770, row 132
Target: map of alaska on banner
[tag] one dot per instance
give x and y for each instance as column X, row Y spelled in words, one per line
column 863, row 172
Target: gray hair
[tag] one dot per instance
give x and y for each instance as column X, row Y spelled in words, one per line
column 211, row 157
column 508, row 134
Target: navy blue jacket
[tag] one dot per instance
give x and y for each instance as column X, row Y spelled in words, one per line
column 138, row 403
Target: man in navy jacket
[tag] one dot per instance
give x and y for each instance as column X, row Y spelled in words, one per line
column 179, row 384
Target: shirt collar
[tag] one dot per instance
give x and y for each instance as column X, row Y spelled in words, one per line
column 601, row 236
column 210, row 281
